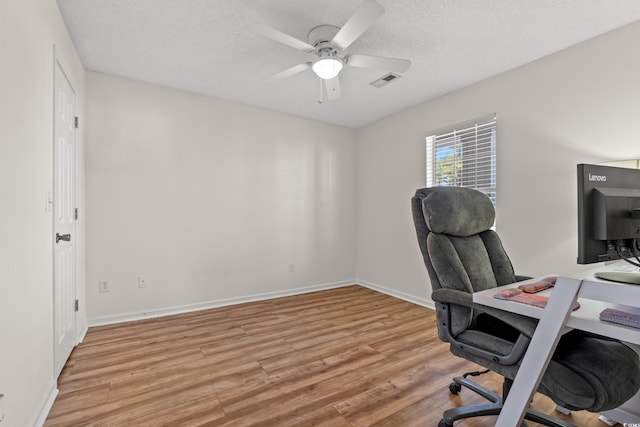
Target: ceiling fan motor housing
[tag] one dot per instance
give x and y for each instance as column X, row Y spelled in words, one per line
column 320, row 38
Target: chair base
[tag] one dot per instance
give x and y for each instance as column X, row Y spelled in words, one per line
column 493, row 408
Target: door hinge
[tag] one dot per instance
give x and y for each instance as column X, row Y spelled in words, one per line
column 77, row 305
column 75, row 122
column 75, row 214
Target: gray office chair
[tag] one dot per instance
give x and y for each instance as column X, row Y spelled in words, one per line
column 463, row 255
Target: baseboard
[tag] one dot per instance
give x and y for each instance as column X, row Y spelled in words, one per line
column 44, row 406
column 82, row 333
column 401, row 295
column 168, row 311
column 129, row 317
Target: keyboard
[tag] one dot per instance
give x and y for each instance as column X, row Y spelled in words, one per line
column 620, row 317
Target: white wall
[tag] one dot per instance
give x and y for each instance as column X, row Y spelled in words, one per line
column 211, row 199
column 28, row 31
column 580, row 105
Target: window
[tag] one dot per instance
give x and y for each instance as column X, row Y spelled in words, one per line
column 464, row 155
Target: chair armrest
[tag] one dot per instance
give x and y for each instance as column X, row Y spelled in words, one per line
column 445, row 298
column 525, row 325
column 452, row 296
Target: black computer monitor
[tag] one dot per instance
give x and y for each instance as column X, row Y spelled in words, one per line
column 609, row 217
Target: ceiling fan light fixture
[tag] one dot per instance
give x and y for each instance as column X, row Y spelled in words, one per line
column 327, row 67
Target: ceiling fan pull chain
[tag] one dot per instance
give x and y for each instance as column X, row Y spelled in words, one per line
column 321, row 83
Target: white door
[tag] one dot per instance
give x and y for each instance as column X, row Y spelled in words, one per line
column 64, row 210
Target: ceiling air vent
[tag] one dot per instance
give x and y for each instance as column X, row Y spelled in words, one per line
column 385, row 80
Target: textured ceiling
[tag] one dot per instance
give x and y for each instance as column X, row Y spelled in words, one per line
column 209, row 47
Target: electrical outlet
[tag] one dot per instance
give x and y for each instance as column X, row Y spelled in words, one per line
column 142, row 281
column 292, row 268
column 103, row 286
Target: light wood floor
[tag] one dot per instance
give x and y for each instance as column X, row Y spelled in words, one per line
column 342, row 357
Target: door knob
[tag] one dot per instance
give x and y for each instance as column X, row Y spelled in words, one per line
column 65, row 237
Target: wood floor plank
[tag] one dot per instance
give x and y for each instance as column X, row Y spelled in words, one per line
column 348, row 356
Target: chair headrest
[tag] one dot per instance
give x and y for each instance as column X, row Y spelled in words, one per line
column 457, row 211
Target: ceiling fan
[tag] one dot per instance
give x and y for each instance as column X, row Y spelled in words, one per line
column 328, row 43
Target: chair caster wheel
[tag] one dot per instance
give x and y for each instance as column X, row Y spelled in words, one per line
column 443, row 423
column 454, row 388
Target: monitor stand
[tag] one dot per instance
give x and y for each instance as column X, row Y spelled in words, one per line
column 631, row 278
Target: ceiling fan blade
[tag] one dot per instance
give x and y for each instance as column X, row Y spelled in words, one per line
column 379, row 62
column 364, row 17
column 288, row 72
column 283, row 38
column 333, row 87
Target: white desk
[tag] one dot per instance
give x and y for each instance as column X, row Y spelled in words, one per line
column 556, row 319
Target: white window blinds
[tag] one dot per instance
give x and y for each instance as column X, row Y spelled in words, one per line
column 464, row 155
